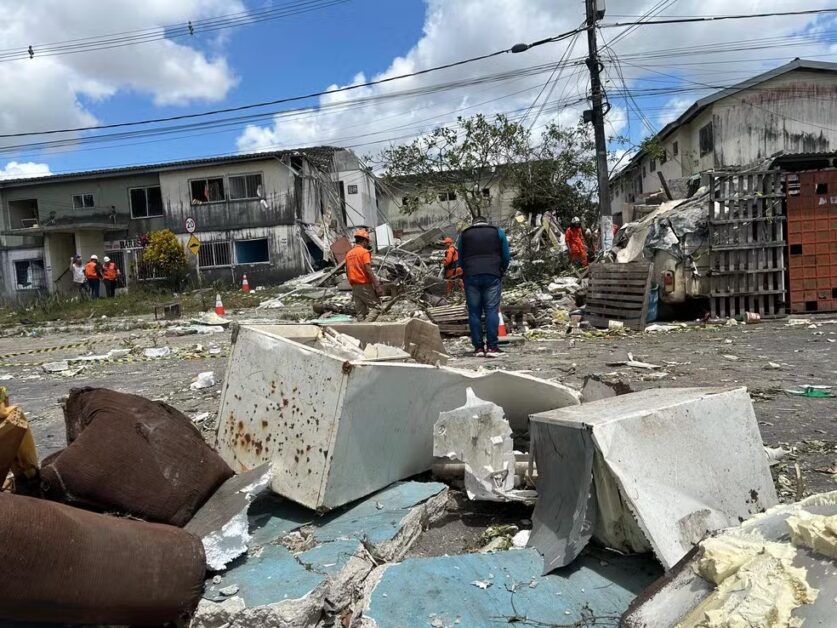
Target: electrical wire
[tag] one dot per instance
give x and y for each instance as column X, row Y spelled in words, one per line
column 719, row 18
column 174, row 31
column 288, row 99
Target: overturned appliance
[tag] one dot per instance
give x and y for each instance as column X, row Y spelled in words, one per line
column 657, row 469
column 337, row 428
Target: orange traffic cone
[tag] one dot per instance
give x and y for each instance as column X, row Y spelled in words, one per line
column 219, row 307
column 245, row 285
column 501, row 330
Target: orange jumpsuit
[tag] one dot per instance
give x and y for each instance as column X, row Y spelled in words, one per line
column 453, row 272
column 575, row 245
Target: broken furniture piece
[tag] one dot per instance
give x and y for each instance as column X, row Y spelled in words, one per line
column 657, row 469
column 18, row 454
column 132, row 455
column 478, row 436
column 68, row 565
column 762, row 565
column 167, row 311
column 337, row 429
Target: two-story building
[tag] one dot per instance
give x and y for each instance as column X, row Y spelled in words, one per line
column 791, row 109
column 268, row 215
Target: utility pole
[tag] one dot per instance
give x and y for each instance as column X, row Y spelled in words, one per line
column 596, row 116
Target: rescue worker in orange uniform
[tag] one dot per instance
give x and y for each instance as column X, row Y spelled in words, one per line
column 93, row 273
column 110, row 275
column 366, row 288
column 574, row 237
column 453, row 271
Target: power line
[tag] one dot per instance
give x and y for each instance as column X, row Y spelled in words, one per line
column 718, row 18
column 288, row 99
column 175, row 31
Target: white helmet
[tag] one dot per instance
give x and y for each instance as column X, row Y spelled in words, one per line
column 106, row 260
column 95, row 257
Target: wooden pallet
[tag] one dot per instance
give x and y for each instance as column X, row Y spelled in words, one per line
column 747, row 245
column 451, row 319
column 619, row 292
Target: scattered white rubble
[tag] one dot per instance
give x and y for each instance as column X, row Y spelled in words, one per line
column 155, row 353
column 205, row 380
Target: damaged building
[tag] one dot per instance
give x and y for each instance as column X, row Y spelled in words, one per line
column 269, row 215
column 789, row 109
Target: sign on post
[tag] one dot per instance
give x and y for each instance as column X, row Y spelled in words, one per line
column 191, row 225
column 194, row 245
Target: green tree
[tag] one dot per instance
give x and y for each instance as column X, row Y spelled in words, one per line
column 165, row 257
column 559, row 176
column 463, row 159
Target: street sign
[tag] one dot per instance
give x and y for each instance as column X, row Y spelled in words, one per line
column 191, row 225
column 193, row 244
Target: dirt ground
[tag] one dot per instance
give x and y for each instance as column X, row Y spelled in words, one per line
column 768, row 359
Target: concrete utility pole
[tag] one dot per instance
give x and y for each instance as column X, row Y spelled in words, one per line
column 596, row 116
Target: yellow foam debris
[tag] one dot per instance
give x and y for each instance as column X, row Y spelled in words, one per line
column 724, row 555
column 817, row 532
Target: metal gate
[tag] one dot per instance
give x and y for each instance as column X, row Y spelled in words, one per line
column 747, row 244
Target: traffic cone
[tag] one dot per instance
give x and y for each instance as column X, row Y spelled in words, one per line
column 219, row 307
column 501, row 329
column 245, row 285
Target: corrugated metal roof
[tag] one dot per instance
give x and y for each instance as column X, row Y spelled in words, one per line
column 314, row 151
column 703, row 103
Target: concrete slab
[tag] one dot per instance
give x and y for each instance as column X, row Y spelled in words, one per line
column 502, row 588
column 335, row 430
column 301, row 566
column 679, row 462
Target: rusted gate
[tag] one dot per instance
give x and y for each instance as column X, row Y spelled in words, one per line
column 747, row 244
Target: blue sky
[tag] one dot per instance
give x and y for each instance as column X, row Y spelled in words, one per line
column 349, row 43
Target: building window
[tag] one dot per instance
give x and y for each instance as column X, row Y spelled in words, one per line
column 29, row 274
column 82, row 201
column 23, row 214
column 652, row 165
column 663, row 157
column 146, row 202
column 486, row 193
column 215, row 253
column 675, row 149
column 447, row 196
column 643, row 172
column 252, row 252
column 243, row 186
column 207, row 190
column 352, row 189
column 707, row 140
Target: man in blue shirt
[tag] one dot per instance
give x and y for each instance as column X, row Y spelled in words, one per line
column 484, row 256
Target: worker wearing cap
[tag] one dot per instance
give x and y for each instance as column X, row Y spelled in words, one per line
column 365, row 285
column 453, row 271
column 574, row 237
column 110, row 275
column 93, row 274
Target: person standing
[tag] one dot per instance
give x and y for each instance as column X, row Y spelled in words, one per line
column 93, row 273
column 484, row 256
column 453, row 271
column 575, row 242
column 79, row 280
column 110, row 275
column 365, row 285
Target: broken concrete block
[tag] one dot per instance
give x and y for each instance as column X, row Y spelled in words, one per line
column 336, row 430
column 73, row 566
column 222, row 523
column 771, row 562
column 478, row 435
column 300, row 565
column 132, row 455
column 677, row 462
column 598, row 386
column 495, row 588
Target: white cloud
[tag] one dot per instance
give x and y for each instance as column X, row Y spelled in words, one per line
column 465, row 28
column 23, row 170
column 50, row 92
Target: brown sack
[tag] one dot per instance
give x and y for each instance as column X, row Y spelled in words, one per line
column 63, row 564
column 132, row 455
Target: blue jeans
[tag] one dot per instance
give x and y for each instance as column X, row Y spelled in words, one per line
column 482, row 294
column 94, row 288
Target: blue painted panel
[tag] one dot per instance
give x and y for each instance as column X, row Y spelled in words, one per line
column 329, row 558
column 441, row 588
